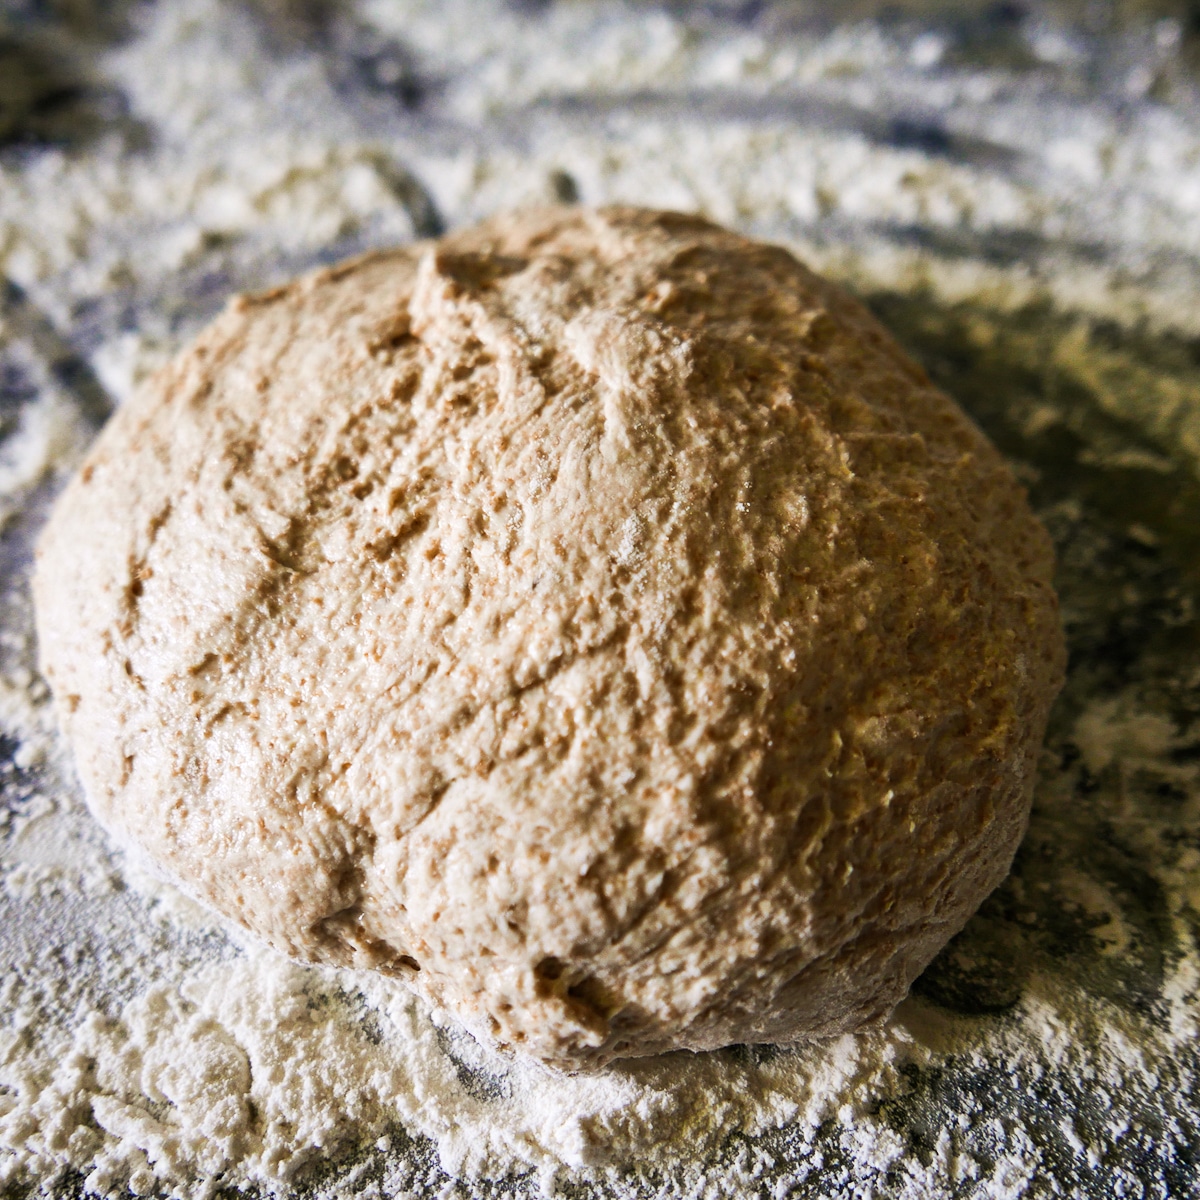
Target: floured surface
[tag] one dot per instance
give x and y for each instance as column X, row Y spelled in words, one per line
column 1052, row 1046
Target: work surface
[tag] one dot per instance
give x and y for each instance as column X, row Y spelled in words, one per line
column 1016, row 194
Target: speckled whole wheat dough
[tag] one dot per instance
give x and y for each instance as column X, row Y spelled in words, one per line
column 593, row 619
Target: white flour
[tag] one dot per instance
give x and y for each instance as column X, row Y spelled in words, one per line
column 253, row 1068
column 141, row 1050
column 245, row 1068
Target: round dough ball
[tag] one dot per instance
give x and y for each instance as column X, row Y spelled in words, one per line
column 593, row 619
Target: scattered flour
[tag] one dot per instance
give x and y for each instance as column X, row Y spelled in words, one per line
column 1116, row 728
column 141, row 1050
column 252, row 1070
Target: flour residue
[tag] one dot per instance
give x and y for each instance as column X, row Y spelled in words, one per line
column 142, row 1051
column 250, row 1069
column 253, row 1070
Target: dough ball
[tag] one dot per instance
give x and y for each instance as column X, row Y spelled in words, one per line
column 592, row 619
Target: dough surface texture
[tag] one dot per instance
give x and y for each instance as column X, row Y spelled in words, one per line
column 593, row 619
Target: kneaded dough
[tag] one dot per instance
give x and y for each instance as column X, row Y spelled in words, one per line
column 593, row 619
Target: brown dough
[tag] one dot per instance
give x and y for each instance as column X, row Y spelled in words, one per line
column 593, row 619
